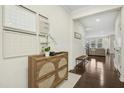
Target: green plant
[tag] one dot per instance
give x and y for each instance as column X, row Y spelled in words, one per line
column 47, row 49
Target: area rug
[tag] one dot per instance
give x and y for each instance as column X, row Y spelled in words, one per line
column 70, row 83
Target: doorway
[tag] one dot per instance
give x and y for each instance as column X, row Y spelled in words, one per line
column 102, row 40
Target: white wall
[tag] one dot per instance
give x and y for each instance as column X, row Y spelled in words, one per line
column 78, row 45
column 13, row 72
column 59, row 24
column 117, row 43
column 122, row 44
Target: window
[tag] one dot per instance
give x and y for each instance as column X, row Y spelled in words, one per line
column 99, row 43
column 93, row 44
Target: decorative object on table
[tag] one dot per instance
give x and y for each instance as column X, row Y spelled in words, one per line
column 52, row 53
column 77, row 35
column 47, row 51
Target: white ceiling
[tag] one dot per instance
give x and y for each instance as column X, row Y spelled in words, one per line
column 72, row 8
column 103, row 27
column 101, row 23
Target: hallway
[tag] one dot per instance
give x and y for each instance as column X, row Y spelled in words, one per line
column 99, row 73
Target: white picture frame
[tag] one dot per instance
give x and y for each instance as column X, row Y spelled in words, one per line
column 19, row 18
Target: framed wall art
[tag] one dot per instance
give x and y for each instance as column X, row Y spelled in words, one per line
column 77, row 35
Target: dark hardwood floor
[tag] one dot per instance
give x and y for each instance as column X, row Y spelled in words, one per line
column 99, row 73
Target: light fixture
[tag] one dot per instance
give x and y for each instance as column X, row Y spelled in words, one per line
column 97, row 20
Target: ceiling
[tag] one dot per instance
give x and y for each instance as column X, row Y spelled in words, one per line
column 100, row 23
column 71, row 8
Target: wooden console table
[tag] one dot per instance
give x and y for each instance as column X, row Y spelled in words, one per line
column 47, row 72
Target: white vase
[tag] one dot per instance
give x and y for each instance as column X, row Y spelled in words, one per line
column 47, row 54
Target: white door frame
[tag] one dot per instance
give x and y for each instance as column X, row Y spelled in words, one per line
column 81, row 14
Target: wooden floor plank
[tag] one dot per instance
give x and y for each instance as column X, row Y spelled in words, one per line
column 99, row 73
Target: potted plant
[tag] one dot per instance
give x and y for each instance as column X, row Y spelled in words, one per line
column 47, row 51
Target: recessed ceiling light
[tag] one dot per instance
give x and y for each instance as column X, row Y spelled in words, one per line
column 97, row 20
